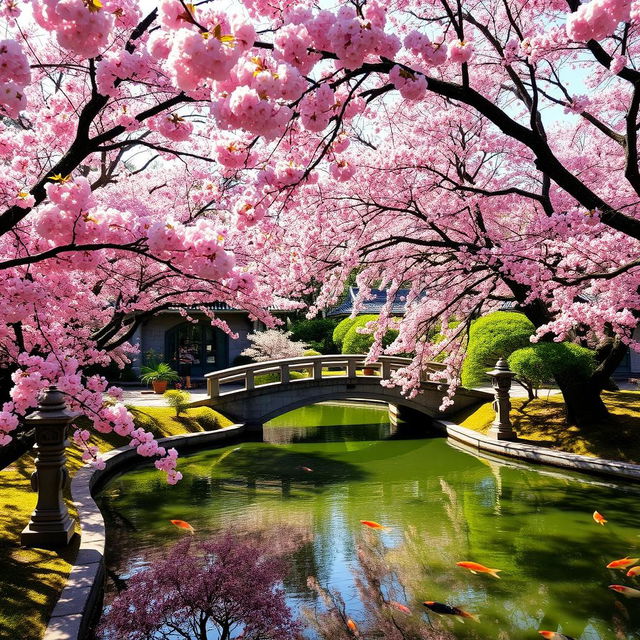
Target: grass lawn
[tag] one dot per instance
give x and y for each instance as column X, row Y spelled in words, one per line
column 31, row 579
column 541, row 422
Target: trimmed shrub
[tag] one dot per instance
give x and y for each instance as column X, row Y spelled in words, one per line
column 177, row 399
column 355, row 342
column 542, row 361
column 495, row 335
column 317, row 333
column 341, row 330
column 268, row 378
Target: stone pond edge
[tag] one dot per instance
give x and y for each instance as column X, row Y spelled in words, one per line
column 540, row 455
column 75, row 609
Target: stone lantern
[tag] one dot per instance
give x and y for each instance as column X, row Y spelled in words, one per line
column 50, row 526
column 501, row 378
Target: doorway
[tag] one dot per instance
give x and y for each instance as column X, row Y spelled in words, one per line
column 208, row 345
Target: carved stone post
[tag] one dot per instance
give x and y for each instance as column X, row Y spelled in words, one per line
column 50, row 526
column 501, row 378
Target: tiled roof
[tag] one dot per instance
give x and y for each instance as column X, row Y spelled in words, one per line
column 374, row 305
column 214, row 306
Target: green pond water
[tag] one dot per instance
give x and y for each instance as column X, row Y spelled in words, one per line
column 442, row 504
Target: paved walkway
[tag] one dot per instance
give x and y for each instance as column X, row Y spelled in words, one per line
column 143, row 397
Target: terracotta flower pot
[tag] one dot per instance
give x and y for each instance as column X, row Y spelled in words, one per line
column 369, row 372
column 159, row 386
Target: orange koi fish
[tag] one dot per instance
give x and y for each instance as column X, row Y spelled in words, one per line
column 474, row 567
column 625, row 591
column 599, row 518
column 307, row 469
column 634, row 571
column 373, row 525
column 447, row 610
column 623, row 563
column 352, row 626
column 400, row 607
column 554, row 635
column 181, row 524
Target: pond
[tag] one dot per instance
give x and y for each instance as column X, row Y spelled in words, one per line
column 442, row 505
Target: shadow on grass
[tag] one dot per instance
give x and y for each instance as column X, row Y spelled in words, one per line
column 30, row 579
column 542, row 423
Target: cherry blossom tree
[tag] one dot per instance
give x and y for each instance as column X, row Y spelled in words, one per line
column 273, row 344
column 478, row 151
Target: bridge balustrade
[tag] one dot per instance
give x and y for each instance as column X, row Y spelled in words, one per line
column 311, row 368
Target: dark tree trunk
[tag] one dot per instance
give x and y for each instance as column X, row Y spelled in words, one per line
column 582, row 397
column 582, row 400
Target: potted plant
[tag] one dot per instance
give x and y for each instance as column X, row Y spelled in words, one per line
column 159, row 376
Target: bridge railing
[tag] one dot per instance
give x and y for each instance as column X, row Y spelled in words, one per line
column 300, row 370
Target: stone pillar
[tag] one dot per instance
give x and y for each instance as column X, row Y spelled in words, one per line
column 50, row 526
column 501, row 378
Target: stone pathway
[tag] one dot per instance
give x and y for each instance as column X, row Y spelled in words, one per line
column 144, row 397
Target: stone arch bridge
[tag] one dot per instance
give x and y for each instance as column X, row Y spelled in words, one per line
column 254, row 394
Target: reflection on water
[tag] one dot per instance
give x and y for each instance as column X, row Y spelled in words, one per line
column 328, row 433
column 443, row 505
column 318, row 423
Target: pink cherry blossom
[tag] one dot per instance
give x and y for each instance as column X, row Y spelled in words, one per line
column 412, row 86
column 460, row 51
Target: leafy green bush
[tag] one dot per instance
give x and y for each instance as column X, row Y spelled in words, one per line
column 162, row 371
column 312, row 352
column 355, row 342
column 177, row 399
column 341, row 330
column 317, row 333
column 541, row 361
column 495, row 335
column 268, row 378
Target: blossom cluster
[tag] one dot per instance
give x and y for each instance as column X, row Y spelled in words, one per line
column 597, row 19
column 14, row 76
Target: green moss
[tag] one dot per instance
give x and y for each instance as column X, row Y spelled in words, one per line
column 31, row 579
column 542, row 422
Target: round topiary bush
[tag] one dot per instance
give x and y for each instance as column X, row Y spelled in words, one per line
column 542, row 361
column 355, row 342
column 341, row 331
column 493, row 336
